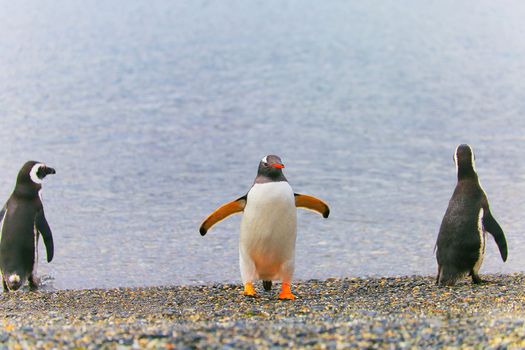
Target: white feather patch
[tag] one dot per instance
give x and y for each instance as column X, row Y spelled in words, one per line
column 481, row 231
column 3, row 222
column 35, row 263
column 33, row 173
column 14, row 278
column 472, row 159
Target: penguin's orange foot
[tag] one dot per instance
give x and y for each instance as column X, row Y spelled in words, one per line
column 286, row 292
column 249, row 291
column 286, row 296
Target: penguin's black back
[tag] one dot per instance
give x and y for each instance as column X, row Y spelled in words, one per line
column 458, row 243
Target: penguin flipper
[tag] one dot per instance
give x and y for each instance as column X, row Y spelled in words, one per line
column 312, row 203
column 43, row 228
column 222, row 213
column 491, row 225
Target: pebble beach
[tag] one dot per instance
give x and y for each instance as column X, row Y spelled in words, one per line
column 382, row 313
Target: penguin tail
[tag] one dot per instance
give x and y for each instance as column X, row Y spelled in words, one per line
column 267, row 285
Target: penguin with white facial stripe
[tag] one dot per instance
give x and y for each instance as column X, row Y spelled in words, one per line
column 268, row 227
column 460, row 245
column 22, row 219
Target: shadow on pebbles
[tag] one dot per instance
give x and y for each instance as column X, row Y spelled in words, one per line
column 383, row 313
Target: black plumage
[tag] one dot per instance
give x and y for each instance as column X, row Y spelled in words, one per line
column 22, row 220
column 460, row 246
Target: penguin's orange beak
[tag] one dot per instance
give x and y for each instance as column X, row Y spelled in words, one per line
column 278, row 166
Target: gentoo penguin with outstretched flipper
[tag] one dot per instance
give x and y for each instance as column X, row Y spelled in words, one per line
column 22, row 219
column 460, row 246
column 268, row 227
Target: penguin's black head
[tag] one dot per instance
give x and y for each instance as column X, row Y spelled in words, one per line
column 33, row 172
column 270, row 169
column 464, row 159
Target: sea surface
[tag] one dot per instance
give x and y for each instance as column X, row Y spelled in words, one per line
column 156, row 112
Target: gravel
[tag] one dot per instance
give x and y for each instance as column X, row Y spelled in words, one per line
column 378, row 313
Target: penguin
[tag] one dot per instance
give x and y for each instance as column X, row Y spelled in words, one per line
column 268, row 227
column 22, row 219
column 460, row 246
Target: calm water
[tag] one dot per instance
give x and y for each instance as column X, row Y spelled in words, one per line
column 155, row 113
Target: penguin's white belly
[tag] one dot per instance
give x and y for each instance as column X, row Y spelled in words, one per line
column 269, row 229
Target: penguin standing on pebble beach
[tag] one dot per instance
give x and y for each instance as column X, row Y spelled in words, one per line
column 268, row 227
column 22, row 220
column 460, row 245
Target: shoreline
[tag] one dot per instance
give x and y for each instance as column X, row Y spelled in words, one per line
column 389, row 312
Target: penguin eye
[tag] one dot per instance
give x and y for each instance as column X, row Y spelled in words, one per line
column 265, row 164
column 40, row 172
